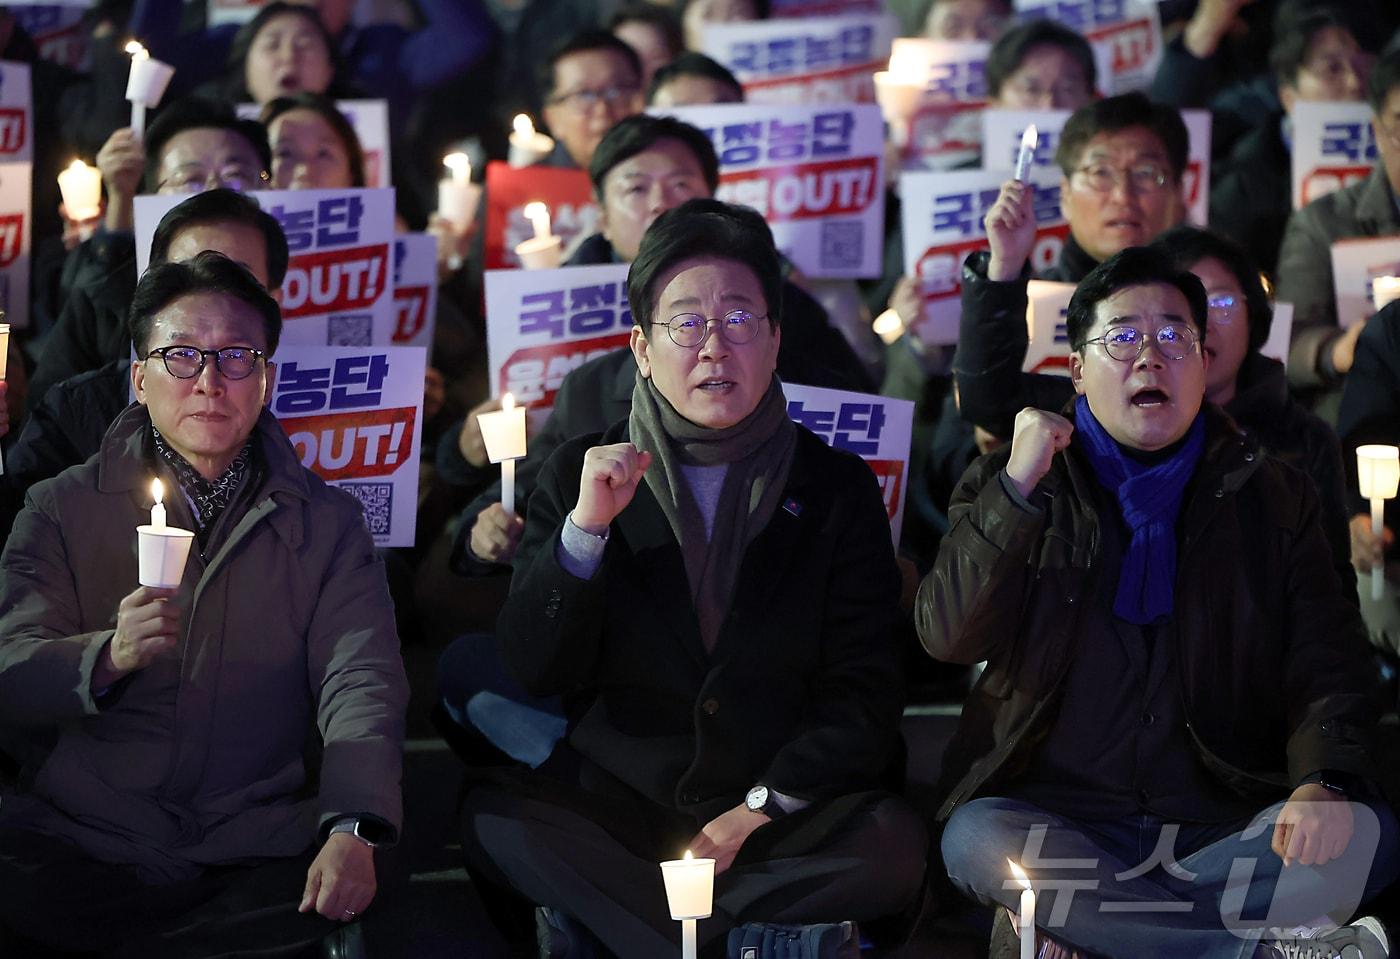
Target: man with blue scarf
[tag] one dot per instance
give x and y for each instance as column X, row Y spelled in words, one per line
column 1171, row 732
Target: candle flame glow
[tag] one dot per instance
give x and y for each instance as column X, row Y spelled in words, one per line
column 508, row 401
column 523, row 127
column 460, row 164
column 1019, row 874
column 688, row 854
column 137, row 51
column 1029, row 138
column 538, row 215
column 157, row 490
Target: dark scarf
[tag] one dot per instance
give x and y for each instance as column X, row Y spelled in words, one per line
column 758, row 451
column 209, row 499
column 1074, row 263
column 1149, row 497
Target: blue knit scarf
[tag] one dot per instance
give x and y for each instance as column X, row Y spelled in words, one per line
column 1150, row 498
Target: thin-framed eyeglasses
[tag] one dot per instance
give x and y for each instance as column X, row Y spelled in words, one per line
column 237, row 178
column 585, row 100
column 1126, row 343
column 688, row 330
column 187, row 362
column 1140, row 178
column 1225, row 308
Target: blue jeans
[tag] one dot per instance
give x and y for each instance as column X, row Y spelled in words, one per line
column 479, row 693
column 1141, row 887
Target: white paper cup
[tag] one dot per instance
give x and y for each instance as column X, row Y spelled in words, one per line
column 147, row 81
column 527, row 152
column 457, row 202
column 161, row 554
column 541, row 252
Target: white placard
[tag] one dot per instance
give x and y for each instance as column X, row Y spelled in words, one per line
column 16, row 114
column 543, row 324
column 942, row 216
column 1046, row 306
column 220, row 12
column 1280, row 334
column 1002, row 129
column 339, row 289
column 370, row 121
column 878, row 429
column 778, row 9
column 355, row 417
column 815, row 173
column 945, row 130
column 1333, row 146
column 16, row 224
column 1355, row 263
column 415, row 290
column 1125, row 33
column 804, row 60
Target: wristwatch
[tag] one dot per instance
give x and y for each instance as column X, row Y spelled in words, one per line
column 354, row 827
column 761, row 799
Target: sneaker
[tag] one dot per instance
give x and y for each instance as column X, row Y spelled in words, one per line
column 1365, row 938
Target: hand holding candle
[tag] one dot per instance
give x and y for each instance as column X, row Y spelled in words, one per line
column 145, row 85
column 542, row 251
column 527, row 146
column 690, row 890
column 503, row 432
column 1378, row 475
column 1025, row 916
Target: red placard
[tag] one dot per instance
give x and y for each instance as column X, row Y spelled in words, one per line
column 568, row 194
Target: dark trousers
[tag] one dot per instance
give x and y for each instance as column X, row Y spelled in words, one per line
column 55, row 901
column 858, row 857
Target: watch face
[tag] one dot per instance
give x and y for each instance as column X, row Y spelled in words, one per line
column 757, row 798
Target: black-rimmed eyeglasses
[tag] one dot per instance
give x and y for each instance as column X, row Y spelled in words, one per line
column 187, row 362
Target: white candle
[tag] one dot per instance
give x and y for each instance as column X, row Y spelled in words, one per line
column 81, row 187
column 1025, row 916
column 888, row 326
column 458, row 196
column 898, row 94
column 527, row 146
column 1378, row 476
column 690, row 888
column 538, row 215
column 1027, row 153
column 145, row 84
column 158, row 508
column 543, row 250
column 1384, row 291
column 503, row 433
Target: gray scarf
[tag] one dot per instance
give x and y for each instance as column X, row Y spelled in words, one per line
column 758, row 450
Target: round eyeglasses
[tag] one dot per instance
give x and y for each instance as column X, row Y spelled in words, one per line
column 689, row 330
column 1126, row 343
column 187, row 362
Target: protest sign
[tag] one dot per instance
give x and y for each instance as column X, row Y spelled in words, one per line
column 15, row 228
column 778, row 9
column 57, row 30
column 415, row 290
column 219, row 12
column 355, row 418
column 945, row 129
column 370, row 121
column 815, row 173
column 16, row 113
column 1333, row 146
column 542, row 324
column 1280, row 334
column 573, row 211
column 1046, row 306
column 878, row 429
column 804, row 60
column 942, row 217
column 1002, row 129
column 1125, row 33
column 1355, row 263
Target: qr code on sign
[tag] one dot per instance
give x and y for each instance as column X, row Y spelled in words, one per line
column 354, row 330
column 378, row 502
column 842, row 242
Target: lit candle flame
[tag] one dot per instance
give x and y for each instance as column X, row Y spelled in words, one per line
column 688, row 855
column 523, row 127
column 137, row 51
column 538, row 215
column 1019, row 874
column 508, row 401
column 157, row 491
column 461, row 166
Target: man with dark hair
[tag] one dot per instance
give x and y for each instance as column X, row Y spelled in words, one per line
column 1322, row 351
column 693, row 79
column 966, row 19
column 784, row 789
column 1156, row 674
column 1041, row 65
column 66, row 426
column 591, row 81
column 211, row 762
column 193, row 144
column 1251, row 193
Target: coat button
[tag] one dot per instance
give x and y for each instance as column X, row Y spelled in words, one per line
column 1249, row 457
column 1148, row 719
column 710, row 706
column 1069, row 600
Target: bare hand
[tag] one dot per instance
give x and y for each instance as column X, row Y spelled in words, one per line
column 496, row 534
column 454, row 243
column 1010, row 230
column 1344, row 347
column 340, row 883
column 1036, row 438
column 906, row 302
column 722, row 836
column 608, row 483
column 469, row 441
column 122, row 161
column 148, row 626
column 1313, row 827
column 1209, row 25
column 1368, row 550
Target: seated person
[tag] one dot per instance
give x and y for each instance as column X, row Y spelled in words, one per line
column 666, row 577
column 592, row 69
column 1176, row 680
column 172, row 806
column 1322, row 352
column 1041, row 65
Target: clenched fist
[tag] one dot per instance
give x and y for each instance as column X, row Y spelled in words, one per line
column 1036, row 438
column 608, row 483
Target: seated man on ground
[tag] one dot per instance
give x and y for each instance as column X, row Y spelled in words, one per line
column 212, row 763
column 666, row 579
column 1171, row 733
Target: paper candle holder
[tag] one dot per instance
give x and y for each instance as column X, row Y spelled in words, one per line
column 81, row 187
column 690, row 887
column 146, row 82
column 503, row 432
column 898, row 96
column 161, row 553
column 1384, row 291
column 1378, row 471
